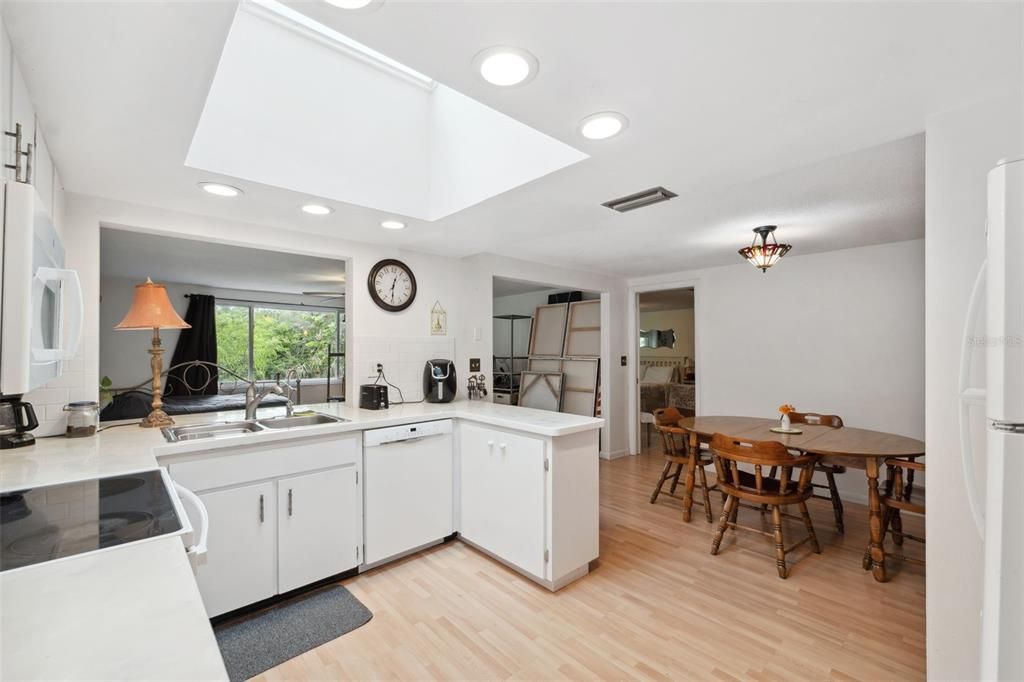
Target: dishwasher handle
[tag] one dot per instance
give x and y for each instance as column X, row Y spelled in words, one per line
column 400, row 441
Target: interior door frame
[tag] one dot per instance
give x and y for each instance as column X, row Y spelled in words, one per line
column 633, row 349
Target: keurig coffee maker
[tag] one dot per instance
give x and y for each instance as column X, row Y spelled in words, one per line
column 439, row 382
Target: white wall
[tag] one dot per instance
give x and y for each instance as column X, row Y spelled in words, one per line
column 962, row 146
column 463, row 286
column 477, row 340
column 839, row 332
column 680, row 321
column 124, row 355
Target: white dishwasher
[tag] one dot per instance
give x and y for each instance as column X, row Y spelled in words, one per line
column 407, row 488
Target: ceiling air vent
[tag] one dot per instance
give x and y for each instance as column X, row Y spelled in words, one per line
column 654, row 195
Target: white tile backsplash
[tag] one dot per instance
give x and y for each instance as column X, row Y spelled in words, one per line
column 75, row 383
column 403, row 358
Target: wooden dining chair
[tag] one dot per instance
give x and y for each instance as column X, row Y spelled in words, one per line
column 792, row 486
column 675, row 449
column 830, row 470
column 900, row 495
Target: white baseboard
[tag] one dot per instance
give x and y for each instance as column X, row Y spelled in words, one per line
column 613, row 455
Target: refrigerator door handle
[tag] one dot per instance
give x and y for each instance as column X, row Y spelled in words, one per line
column 971, row 396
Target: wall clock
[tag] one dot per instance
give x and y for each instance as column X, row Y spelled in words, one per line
column 392, row 285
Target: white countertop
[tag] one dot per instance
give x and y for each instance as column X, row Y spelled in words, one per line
column 129, row 613
column 128, row 447
column 135, row 612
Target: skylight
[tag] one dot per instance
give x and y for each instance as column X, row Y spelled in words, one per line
column 341, row 40
column 297, row 105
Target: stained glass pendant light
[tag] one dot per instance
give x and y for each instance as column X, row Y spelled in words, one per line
column 767, row 253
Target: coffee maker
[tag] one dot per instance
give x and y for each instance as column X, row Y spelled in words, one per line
column 439, row 381
column 17, row 418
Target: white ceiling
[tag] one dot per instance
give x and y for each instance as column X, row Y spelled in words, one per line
column 796, row 114
column 136, row 255
column 368, row 136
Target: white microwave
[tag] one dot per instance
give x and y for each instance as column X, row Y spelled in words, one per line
column 41, row 308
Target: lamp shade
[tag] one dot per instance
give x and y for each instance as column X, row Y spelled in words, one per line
column 151, row 309
column 767, row 253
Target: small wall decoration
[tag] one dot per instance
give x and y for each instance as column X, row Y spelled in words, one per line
column 657, row 338
column 438, row 320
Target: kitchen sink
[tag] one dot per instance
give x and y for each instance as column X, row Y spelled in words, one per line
column 178, row 434
column 313, row 419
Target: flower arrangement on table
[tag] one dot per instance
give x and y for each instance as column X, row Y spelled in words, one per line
column 785, row 409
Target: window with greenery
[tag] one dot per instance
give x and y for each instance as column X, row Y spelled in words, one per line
column 264, row 341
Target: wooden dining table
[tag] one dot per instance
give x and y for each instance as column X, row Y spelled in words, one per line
column 852, row 447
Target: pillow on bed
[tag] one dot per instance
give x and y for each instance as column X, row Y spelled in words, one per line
column 657, row 375
column 643, row 372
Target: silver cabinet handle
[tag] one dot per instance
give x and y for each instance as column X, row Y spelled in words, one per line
column 261, row 508
column 289, row 501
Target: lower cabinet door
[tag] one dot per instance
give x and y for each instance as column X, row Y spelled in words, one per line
column 240, row 566
column 502, row 490
column 320, row 520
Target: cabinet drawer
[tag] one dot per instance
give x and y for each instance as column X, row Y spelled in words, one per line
column 233, row 466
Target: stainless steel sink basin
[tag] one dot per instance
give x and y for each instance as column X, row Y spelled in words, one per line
column 177, row 434
column 313, row 419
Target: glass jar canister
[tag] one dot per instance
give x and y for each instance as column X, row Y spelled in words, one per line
column 83, row 419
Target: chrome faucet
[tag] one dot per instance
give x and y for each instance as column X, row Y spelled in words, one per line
column 254, row 397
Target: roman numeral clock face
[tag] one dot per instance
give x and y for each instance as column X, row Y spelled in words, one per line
column 392, row 285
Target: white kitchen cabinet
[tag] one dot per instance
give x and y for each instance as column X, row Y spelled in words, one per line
column 311, row 523
column 21, row 111
column 17, row 107
column 240, row 566
column 503, row 491
column 318, row 527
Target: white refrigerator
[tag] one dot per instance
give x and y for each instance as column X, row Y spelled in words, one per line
column 1002, row 618
column 963, row 149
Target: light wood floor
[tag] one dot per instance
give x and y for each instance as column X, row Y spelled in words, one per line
column 657, row 605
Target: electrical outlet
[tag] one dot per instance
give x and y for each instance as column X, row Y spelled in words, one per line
column 474, row 364
column 623, row 361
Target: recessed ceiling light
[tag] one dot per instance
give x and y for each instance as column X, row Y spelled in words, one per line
column 350, row 4
column 392, row 224
column 506, row 66
column 603, row 125
column 317, row 209
column 220, row 189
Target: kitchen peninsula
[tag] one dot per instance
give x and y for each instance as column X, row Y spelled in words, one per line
column 496, row 448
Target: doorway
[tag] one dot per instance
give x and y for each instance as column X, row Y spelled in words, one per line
column 665, row 351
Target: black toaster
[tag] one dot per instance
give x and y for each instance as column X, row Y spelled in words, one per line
column 373, row 397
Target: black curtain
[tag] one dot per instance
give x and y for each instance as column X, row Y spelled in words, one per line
column 197, row 343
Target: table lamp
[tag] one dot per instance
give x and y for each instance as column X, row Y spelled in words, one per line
column 151, row 309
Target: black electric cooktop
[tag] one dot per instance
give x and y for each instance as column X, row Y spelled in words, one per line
column 51, row 522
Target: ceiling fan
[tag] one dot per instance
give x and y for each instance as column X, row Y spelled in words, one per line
column 325, row 295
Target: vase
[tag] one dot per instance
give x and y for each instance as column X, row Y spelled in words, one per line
column 784, row 422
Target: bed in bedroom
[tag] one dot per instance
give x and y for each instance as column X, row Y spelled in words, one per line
column 662, row 385
column 193, row 387
column 136, row 404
